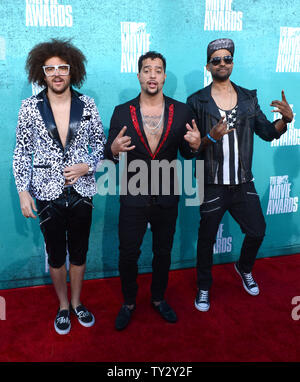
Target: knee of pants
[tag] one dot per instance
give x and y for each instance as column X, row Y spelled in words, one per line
column 128, row 260
column 78, row 260
column 56, row 262
column 257, row 233
column 254, row 239
column 78, row 263
column 206, row 240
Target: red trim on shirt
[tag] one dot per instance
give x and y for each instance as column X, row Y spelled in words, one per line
column 138, row 130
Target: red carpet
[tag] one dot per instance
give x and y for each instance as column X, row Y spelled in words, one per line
column 237, row 328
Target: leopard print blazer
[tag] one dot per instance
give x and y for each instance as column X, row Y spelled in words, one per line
column 39, row 157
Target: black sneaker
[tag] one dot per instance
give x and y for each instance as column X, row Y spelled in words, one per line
column 166, row 312
column 123, row 317
column 84, row 317
column 249, row 283
column 62, row 323
column 202, row 300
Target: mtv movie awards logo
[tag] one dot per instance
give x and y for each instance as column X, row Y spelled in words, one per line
column 291, row 137
column 2, row 49
column 135, row 41
column 48, row 13
column 222, row 244
column 36, row 89
column 219, row 16
column 288, row 59
column 280, row 201
column 207, row 77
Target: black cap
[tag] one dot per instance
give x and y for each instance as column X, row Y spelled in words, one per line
column 220, row 43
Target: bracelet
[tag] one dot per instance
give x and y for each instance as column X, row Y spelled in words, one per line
column 211, row 138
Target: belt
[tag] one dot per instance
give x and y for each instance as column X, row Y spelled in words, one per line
column 152, row 201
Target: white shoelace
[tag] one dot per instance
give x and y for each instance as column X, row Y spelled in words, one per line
column 249, row 279
column 203, row 295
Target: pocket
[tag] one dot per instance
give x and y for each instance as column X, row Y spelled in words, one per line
column 42, row 166
column 250, row 190
column 80, row 201
column 212, row 203
column 88, row 202
column 45, row 220
column 252, row 193
column 43, row 211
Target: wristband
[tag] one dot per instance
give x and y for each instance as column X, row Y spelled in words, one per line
column 211, row 138
column 90, row 171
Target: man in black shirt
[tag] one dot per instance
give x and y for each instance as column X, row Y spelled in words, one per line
column 156, row 130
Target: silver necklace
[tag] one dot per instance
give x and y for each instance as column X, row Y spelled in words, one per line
column 155, row 129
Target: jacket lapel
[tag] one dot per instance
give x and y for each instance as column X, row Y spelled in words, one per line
column 45, row 110
column 46, row 113
column 211, row 107
column 77, row 107
column 138, row 124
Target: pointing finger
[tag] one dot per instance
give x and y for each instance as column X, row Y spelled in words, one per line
column 122, row 132
column 283, row 96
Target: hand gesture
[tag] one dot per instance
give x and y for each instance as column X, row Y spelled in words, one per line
column 219, row 130
column 121, row 143
column 73, row 173
column 283, row 108
column 27, row 204
column 193, row 136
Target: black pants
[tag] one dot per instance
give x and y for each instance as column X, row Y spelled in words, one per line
column 132, row 227
column 65, row 223
column 242, row 202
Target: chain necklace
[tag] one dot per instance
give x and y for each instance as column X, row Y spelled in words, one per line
column 155, row 129
column 220, row 100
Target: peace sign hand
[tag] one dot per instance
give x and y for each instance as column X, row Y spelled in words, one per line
column 283, row 108
column 121, row 143
column 193, row 136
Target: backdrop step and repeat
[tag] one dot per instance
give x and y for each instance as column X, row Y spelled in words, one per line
column 113, row 34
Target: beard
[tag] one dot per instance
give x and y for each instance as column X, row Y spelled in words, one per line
column 59, row 90
column 221, row 77
column 152, row 93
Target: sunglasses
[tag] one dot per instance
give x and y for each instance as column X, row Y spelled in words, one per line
column 217, row 60
column 62, row 70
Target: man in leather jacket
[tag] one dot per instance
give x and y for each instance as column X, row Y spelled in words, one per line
column 228, row 116
column 53, row 164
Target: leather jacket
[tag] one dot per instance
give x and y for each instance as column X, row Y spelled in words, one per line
column 250, row 120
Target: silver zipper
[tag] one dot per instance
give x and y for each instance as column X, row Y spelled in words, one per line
column 252, row 193
column 48, row 218
column 215, row 209
column 90, row 204
column 47, row 206
column 210, row 201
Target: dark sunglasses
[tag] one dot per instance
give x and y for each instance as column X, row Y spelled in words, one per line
column 217, row 60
